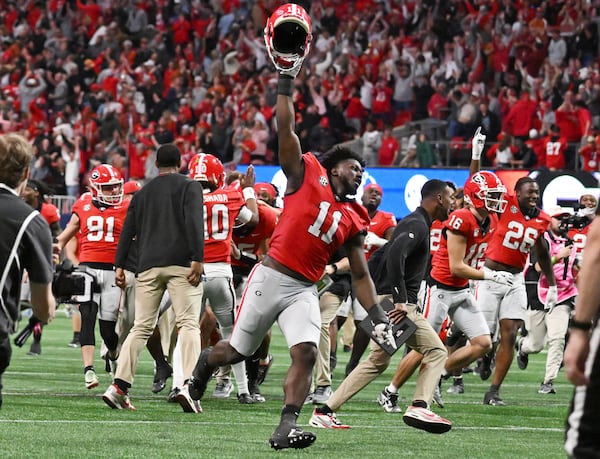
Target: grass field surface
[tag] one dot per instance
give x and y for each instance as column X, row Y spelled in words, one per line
column 48, row 413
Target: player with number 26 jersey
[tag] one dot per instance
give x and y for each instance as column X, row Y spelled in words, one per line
column 325, row 226
column 516, row 235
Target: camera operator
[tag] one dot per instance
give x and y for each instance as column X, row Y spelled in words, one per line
column 552, row 321
column 579, row 224
column 26, row 244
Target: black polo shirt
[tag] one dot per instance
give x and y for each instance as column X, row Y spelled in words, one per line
column 33, row 253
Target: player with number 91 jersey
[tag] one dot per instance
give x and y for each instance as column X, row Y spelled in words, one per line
column 316, row 231
column 515, row 235
column 99, row 230
column 477, row 236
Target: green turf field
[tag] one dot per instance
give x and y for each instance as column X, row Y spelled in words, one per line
column 48, row 413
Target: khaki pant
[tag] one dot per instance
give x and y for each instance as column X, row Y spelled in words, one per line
column 554, row 325
column 187, row 300
column 329, row 305
column 425, row 341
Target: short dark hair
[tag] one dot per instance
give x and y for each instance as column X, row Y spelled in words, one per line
column 432, row 188
column 338, row 154
column 522, row 181
column 168, row 155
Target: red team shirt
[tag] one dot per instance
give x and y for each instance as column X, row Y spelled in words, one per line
column 50, row 213
column 464, row 222
column 313, row 224
column 515, row 235
column 579, row 237
column 221, row 207
column 435, row 236
column 99, row 230
column 267, row 220
column 380, row 223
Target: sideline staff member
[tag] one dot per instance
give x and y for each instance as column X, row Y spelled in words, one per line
column 167, row 220
column 26, row 243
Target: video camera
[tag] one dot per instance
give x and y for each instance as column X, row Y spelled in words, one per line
column 576, row 221
column 72, row 281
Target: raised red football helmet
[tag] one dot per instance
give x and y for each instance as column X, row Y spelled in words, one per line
column 288, row 36
column 485, row 190
column 106, row 185
column 207, row 168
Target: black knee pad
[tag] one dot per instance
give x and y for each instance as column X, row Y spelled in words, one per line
column 88, row 312
column 108, row 333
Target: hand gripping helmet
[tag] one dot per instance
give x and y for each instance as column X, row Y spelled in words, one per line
column 288, row 36
column 106, row 185
column 484, row 189
column 207, row 168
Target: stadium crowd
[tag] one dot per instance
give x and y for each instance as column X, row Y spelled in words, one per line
column 92, row 82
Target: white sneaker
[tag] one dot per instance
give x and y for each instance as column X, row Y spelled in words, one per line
column 188, row 404
column 424, row 419
column 326, row 421
column 389, row 401
column 91, row 380
column 223, row 390
column 116, row 399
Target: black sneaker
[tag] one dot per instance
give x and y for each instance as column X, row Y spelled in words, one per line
column 485, row 369
column 522, row 358
column 172, row 397
column 162, row 373
column 257, row 396
column 493, row 398
column 200, row 376
column 263, row 369
column 245, row 399
column 291, row 436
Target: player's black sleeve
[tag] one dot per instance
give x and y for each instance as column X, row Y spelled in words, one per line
column 37, row 251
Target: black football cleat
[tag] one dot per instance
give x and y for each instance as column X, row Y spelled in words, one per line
column 200, row 376
column 163, row 372
column 291, row 436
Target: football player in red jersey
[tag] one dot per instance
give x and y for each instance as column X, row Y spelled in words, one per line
column 248, row 248
column 520, row 229
column 317, row 219
column 99, row 224
column 223, row 208
column 34, row 195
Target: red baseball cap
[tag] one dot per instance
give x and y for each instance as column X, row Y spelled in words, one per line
column 373, row 186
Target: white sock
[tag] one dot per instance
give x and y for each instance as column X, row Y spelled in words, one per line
column 392, row 389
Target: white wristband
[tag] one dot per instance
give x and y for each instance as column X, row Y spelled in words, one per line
column 249, row 193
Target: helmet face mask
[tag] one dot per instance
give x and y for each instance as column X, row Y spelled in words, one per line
column 106, row 185
column 207, row 168
column 288, row 36
column 485, row 190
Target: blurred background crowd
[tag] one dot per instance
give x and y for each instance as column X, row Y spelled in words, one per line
column 405, row 81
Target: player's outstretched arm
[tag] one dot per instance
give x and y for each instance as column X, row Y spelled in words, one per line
column 477, row 146
column 290, row 151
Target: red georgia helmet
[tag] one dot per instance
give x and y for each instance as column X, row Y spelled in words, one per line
column 106, row 185
column 484, row 189
column 207, row 168
column 288, row 36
